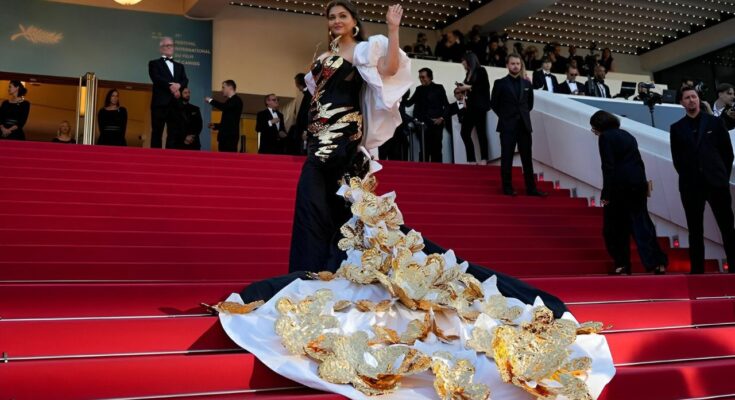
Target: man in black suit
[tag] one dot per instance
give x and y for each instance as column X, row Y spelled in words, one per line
column 703, row 157
column 430, row 105
column 228, row 129
column 544, row 79
column 578, row 60
column 559, row 62
column 570, row 85
column 512, row 101
column 297, row 134
column 269, row 124
column 192, row 117
column 596, row 86
column 724, row 106
column 625, row 194
column 169, row 78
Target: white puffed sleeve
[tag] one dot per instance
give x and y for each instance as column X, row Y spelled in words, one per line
column 310, row 83
column 381, row 94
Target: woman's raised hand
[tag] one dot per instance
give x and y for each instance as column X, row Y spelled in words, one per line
column 393, row 16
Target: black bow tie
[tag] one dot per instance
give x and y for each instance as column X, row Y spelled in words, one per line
column 168, row 59
column 572, row 81
column 547, row 75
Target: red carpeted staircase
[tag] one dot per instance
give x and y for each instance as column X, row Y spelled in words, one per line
column 105, row 254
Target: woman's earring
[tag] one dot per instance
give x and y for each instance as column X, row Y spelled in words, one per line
column 356, row 31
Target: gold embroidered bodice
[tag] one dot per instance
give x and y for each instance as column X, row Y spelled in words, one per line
column 335, row 126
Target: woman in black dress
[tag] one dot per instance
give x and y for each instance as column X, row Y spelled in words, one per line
column 334, row 136
column 476, row 87
column 113, row 121
column 14, row 112
column 63, row 135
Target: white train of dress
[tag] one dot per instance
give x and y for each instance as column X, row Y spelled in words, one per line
column 256, row 332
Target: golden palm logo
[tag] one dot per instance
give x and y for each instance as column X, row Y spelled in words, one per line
column 37, row 35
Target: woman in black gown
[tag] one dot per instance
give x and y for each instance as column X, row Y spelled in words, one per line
column 334, row 133
column 113, row 121
column 14, row 112
column 476, row 87
column 334, row 137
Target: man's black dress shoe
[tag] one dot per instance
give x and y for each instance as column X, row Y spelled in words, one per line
column 510, row 192
column 536, row 193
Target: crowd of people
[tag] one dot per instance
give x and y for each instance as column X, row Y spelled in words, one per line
column 491, row 50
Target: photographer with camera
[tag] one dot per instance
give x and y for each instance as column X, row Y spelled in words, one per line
column 625, row 192
column 649, row 98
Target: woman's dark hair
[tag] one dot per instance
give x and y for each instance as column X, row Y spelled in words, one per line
column 360, row 37
column 108, row 98
column 21, row 89
column 472, row 64
column 603, row 121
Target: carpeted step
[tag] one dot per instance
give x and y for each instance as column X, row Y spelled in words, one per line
column 481, row 214
column 255, row 200
column 661, row 314
column 637, row 287
column 672, row 345
column 136, row 376
column 675, row 381
column 490, row 241
column 438, row 193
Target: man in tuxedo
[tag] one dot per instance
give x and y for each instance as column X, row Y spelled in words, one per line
column 544, row 79
column 228, row 129
column 269, row 124
column 298, row 132
column 724, row 106
column 703, row 157
column 169, row 78
column 192, row 118
column 512, row 101
column 570, row 85
column 596, row 86
column 430, row 105
column 457, row 108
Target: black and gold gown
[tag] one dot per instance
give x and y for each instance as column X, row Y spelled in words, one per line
column 334, row 134
column 383, row 292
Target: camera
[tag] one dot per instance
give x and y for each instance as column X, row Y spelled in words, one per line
column 648, row 86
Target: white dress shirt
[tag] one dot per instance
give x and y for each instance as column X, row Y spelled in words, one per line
column 549, row 82
column 170, row 65
column 573, row 86
column 274, row 115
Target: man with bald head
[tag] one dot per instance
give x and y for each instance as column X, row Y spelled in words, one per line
column 168, row 78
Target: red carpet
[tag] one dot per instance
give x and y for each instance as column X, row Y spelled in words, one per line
column 105, row 254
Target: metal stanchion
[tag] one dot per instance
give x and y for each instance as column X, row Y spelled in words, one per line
column 86, row 107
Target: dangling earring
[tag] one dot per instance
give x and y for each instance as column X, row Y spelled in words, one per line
column 356, row 31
